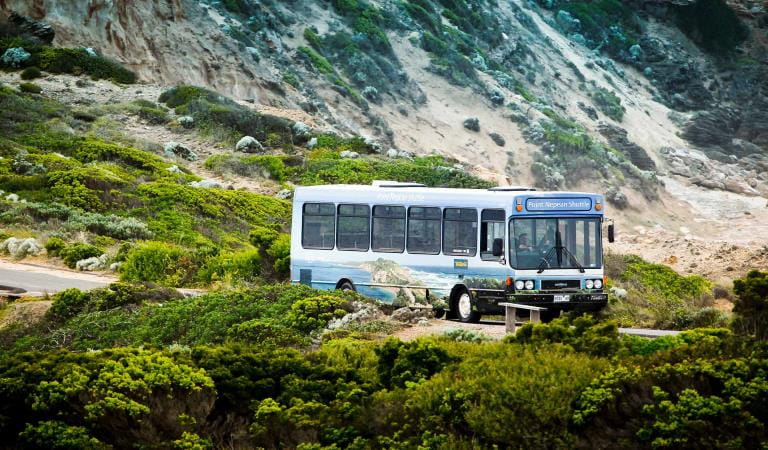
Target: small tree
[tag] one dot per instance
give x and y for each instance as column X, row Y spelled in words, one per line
column 751, row 305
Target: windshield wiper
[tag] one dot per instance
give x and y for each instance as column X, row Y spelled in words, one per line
column 545, row 261
column 573, row 258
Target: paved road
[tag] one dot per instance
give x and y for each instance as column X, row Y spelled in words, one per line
column 38, row 282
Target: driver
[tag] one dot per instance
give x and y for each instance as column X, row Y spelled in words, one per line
column 523, row 243
column 548, row 241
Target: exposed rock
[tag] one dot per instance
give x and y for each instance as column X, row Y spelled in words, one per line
column 176, row 149
column 616, row 197
column 29, row 28
column 739, row 186
column 498, row 139
column 361, row 313
column 301, row 130
column 15, row 57
column 392, row 153
column 496, row 97
column 349, row 154
column 619, row 292
column 19, row 248
column 249, row 144
column 312, row 143
column 588, row 110
column 207, row 184
column 617, row 137
column 174, row 169
column 473, row 124
column 408, row 315
column 284, row 194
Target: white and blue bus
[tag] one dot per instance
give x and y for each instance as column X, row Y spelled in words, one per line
column 472, row 248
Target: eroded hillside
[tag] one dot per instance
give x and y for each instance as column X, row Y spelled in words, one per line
column 660, row 105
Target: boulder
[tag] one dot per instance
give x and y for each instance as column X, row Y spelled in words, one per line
column 176, row 149
column 617, row 137
column 496, row 97
column 312, row 143
column 392, row 153
column 408, row 315
column 301, row 130
column 616, row 197
column 249, row 144
column 472, row 124
column 30, row 28
column 207, row 184
column 739, row 186
column 349, row 154
column 284, row 194
column 498, row 139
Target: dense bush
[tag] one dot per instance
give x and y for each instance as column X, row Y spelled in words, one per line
column 54, row 246
column 751, row 305
column 30, row 73
column 31, row 88
column 158, row 262
column 77, row 252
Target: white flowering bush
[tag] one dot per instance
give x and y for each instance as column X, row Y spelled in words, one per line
column 19, row 248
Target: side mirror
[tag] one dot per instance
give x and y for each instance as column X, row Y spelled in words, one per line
column 611, row 231
column 498, row 247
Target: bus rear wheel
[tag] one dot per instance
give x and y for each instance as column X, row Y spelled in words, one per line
column 462, row 304
column 346, row 286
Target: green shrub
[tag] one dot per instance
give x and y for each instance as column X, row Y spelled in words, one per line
column 77, row 61
column 77, row 252
column 30, row 73
column 402, row 362
column 68, row 303
column 31, row 88
column 53, row 434
column 158, row 262
column 751, row 305
column 314, row 313
column 244, row 266
column 54, row 246
column 609, row 103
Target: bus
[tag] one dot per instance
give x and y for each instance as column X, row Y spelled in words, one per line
column 468, row 248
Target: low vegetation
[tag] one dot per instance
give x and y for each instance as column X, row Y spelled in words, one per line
column 218, row 370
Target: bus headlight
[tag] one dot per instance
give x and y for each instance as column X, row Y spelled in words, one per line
column 519, row 285
column 529, row 285
column 590, row 284
column 598, row 284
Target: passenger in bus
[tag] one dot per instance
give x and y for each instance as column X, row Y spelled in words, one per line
column 548, row 241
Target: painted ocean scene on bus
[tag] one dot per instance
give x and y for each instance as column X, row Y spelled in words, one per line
column 384, row 279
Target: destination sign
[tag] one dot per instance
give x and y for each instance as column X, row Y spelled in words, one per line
column 559, row 204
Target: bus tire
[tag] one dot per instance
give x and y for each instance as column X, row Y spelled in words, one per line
column 347, row 286
column 463, row 304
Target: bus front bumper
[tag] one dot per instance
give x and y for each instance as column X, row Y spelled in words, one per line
column 565, row 301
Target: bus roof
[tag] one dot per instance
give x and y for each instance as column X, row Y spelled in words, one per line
column 412, row 194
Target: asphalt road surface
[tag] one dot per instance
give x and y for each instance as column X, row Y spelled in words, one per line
column 38, row 282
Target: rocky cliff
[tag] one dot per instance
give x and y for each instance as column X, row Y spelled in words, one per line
column 653, row 102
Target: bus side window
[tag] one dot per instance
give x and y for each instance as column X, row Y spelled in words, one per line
column 491, row 228
column 460, row 231
column 424, row 230
column 318, row 226
column 388, row 229
column 354, row 228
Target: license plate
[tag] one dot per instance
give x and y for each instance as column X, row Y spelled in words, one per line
column 562, row 298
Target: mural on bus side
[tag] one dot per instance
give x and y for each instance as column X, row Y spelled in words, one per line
column 404, row 284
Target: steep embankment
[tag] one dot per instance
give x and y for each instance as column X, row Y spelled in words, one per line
column 646, row 101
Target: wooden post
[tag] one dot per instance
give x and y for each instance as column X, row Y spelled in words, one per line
column 510, row 319
column 535, row 316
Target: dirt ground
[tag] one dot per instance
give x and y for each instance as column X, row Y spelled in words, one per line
column 492, row 329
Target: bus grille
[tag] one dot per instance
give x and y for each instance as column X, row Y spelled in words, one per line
column 556, row 285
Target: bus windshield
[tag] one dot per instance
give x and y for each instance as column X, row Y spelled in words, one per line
column 534, row 243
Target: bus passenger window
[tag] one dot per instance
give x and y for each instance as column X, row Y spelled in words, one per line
column 424, row 230
column 460, row 231
column 354, row 228
column 388, row 229
column 318, row 226
column 491, row 228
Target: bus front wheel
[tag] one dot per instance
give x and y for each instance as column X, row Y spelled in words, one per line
column 463, row 306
